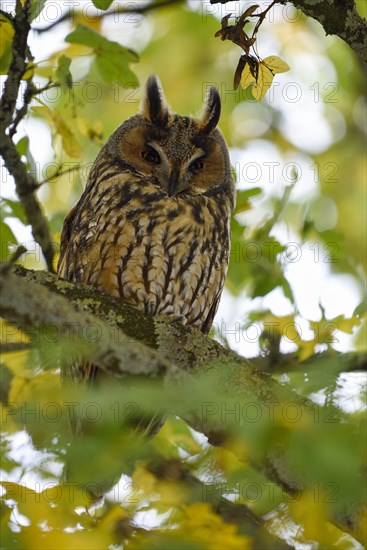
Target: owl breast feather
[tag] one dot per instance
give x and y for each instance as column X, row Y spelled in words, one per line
column 167, row 256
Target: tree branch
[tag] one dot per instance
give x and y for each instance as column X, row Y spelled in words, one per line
column 25, row 184
column 73, row 14
column 338, row 17
column 33, row 307
column 236, row 513
column 188, row 361
column 347, row 362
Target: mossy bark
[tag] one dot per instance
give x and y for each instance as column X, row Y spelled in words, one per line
column 184, row 359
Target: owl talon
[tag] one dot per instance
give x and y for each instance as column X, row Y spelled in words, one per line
column 170, row 319
column 179, row 319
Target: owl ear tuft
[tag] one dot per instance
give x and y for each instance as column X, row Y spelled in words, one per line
column 211, row 111
column 154, row 107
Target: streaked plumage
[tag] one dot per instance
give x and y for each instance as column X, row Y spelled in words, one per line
column 153, row 224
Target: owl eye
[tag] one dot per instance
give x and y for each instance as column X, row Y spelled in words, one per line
column 196, row 165
column 150, row 155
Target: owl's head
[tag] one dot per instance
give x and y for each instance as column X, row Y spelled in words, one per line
column 182, row 156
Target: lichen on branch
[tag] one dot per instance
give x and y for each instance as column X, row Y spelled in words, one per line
column 198, row 377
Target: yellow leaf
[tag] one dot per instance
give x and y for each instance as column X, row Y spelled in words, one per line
column 59, row 497
column 61, row 129
column 32, row 504
column 285, row 326
column 36, row 537
column 69, row 143
column 176, row 434
column 263, row 83
column 172, row 494
column 144, row 480
column 275, row 64
column 94, row 23
column 29, row 72
column 346, row 325
column 17, row 389
column 10, row 333
column 46, row 71
column 8, row 421
column 246, row 78
column 312, row 512
column 306, row 349
column 82, row 125
column 90, row 129
column 209, row 530
column 36, row 389
column 18, row 362
column 7, row 34
column 112, row 518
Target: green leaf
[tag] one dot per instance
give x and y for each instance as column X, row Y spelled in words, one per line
column 85, row 36
column 102, row 4
column 321, row 372
column 23, row 149
column 243, row 196
column 344, row 324
column 361, row 309
column 112, row 59
column 6, row 377
column 7, row 239
column 56, row 221
column 22, row 146
column 287, row 289
column 12, row 209
column 36, row 8
column 63, row 74
column 114, row 68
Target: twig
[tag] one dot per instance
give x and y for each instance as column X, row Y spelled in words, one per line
column 59, row 172
column 7, row 15
column 181, row 355
column 10, row 347
column 47, row 87
column 18, row 63
column 261, row 17
column 27, row 98
column 71, row 15
column 25, row 184
column 339, row 18
column 172, row 470
column 14, row 257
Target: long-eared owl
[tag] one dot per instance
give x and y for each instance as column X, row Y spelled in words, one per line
column 153, row 224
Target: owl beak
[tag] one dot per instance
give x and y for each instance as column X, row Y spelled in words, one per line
column 172, row 186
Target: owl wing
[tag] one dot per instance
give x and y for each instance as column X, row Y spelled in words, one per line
column 207, row 325
column 76, row 372
column 64, row 241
